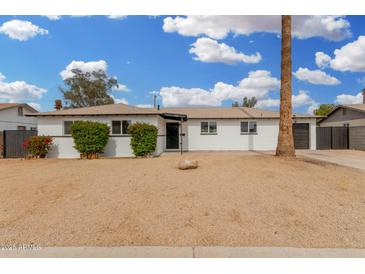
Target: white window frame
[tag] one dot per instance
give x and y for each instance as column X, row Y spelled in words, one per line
column 248, row 128
column 121, row 127
column 209, row 133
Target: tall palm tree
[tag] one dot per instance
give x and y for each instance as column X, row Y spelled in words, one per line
column 285, row 140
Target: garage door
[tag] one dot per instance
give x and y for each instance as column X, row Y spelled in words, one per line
column 301, row 136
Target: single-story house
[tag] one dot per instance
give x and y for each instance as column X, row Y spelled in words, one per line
column 343, row 128
column 352, row 115
column 188, row 129
column 13, row 117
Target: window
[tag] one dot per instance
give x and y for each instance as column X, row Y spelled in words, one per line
column 67, row 127
column 116, row 127
column 20, row 111
column 344, row 111
column 22, row 128
column 120, row 127
column 125, row 125
column 248, row 127
column 33, row 128
column 208, row 127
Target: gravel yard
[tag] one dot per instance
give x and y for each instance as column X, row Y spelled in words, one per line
column 232, row 199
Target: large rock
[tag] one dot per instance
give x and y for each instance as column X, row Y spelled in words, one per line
column 188, row 164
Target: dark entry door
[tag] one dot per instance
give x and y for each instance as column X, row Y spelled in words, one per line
column 301, row 136
column 172, row 135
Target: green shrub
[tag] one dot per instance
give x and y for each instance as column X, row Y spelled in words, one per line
column 90, row 138
column 143, row 138
column 38, row 146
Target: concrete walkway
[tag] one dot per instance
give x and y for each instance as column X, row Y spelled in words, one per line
column 350, row 158
column 184, row 252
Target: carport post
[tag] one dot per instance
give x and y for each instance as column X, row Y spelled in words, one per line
column 181, row 135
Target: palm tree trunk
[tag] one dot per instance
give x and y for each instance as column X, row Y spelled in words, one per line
column 285, row 140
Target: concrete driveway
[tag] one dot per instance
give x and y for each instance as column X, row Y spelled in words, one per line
column 350, row 158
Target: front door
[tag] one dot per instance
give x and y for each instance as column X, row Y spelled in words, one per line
column 172, row 135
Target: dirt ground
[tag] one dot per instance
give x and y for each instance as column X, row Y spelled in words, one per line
column 232, row 199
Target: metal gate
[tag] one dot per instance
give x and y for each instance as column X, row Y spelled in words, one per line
column 13, row 140
column 332, row 138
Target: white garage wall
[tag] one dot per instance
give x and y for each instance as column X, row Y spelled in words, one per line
column 229, row 135
column 118, row 146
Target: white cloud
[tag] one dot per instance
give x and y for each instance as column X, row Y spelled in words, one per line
column 322, row 60
column 349, row 99
column 19, row 90
column 210, row 51
column 2, row 77
column 218, row 27
column 53, row 17
column 258, row 83
column 144, row 106
column 121, row 88
column 351, row 57
column 360, row 80
column 300, row 100
column 84, row 67
column 21, row 30
column 119, row 100
column 268, row 103
column 117, row 17
column 36, row 106
column 316, row 77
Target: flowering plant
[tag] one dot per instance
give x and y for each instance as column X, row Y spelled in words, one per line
column 38, row 146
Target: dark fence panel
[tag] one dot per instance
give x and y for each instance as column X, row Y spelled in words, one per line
column 324, row 137
column 340, row 137
column 13, row 140
column 357, row 138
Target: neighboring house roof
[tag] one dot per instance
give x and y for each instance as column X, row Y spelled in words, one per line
column 357, row 107
column 192, row 112
column 4, row 106
column 111, row 109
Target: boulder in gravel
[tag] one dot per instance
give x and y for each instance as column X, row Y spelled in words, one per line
column 187, row 164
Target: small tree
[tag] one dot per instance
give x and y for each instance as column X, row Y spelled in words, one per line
column 246, row 102
column 143, row 138
column 90, row 138
column 38, row 146
column 324, row 109
column 249, row 102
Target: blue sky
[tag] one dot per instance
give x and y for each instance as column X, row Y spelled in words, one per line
column 189, row 61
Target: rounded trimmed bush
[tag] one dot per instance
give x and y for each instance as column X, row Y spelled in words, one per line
column 90, row 138
column 143, row 138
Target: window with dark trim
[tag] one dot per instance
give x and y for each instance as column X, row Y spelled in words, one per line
column 116, row 127
column 20, row 111
column 120, row 127
column 208, row 127
column 249, row 127
column 125, row 125
column 67, row 127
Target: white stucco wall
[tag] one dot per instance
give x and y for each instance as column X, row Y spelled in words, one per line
column 9, row 119
column 229, row 135
column 118, row 146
